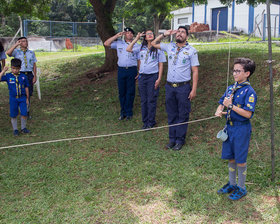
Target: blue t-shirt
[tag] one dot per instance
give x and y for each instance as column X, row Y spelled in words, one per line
column 245, row 98
column 16, row 84
column 180, row 62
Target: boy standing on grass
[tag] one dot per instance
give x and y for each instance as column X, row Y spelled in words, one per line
column 240, row 100
column 19, row 94
column 28, row 64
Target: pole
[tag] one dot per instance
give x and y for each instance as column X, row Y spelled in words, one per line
column 218, row 21
column 271, row 90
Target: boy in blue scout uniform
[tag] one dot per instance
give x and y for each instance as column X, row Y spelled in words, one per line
column 28, row 63
column 19, row 93
column 182, row 61
column 240, row 100
column 150, row 73
column 127, row 71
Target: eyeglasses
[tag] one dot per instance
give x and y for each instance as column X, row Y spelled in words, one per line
column 149, row 34
column 237, row 71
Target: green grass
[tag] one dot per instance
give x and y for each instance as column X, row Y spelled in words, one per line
column 131, row 178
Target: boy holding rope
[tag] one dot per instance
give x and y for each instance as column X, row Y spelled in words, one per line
column 240, row 100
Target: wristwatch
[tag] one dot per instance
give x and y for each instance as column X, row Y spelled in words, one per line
column 230, row 106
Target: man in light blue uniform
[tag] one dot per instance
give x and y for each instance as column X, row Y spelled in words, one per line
column 28, row 63
column 127, row 71
column 182, row 61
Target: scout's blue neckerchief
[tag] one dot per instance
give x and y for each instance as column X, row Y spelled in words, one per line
column 177, row 52
column 236, row 86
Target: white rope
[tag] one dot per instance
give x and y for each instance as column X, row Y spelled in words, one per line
column 102, row 136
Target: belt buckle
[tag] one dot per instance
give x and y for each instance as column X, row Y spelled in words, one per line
column 174, row 85
column 231, row 123
column 126, row 67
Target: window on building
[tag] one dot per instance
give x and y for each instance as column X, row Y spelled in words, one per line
column 183, row 20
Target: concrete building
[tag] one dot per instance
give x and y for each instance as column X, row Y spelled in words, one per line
column 236, row 17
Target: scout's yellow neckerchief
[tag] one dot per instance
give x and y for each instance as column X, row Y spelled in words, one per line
column 234, row 89
column 17, row 86
column 25, row 58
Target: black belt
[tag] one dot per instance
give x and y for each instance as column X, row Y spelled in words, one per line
column 26, row 73
column 149, row 74
column 127, row 67
column 177, row 84
column 238, row 123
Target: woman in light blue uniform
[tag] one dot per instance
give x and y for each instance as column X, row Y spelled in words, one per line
column 150, row 73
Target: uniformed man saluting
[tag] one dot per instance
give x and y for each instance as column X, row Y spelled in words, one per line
column 127, row 71
column 182, row 61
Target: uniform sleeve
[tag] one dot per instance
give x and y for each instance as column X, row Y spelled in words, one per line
column 164, row 46
column 136, row 49
column 222, row 98
column 15, row 53
column 3, row 55
column 4, row 78
column 250, row 101
column 194, row 59
column 162, row 57
column 34, row 57
column 114, row 45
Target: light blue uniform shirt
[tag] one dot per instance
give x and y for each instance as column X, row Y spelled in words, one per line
column 149, row 61
column 2, row 55
column 125, row 58
column 30, row 59
column 179, row 64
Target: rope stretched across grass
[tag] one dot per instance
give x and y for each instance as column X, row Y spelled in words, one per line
column 103, row 136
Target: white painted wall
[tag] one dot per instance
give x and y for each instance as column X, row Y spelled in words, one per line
column 241, row 17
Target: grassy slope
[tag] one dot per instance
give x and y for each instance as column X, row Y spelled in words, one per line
column 131, row 179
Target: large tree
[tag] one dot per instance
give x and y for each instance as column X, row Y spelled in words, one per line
column 103, row 10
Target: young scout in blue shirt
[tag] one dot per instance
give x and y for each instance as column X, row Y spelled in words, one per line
column 150, row 73
column 182, row 61
column 127, row 71
column 19, row 93
column 240, row 100
column 28, row 63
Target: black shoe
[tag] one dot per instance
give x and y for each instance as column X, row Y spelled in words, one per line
column 178, row 147
column 128, row 118
column 122, row 117
column 25, row 131
column 16, row 133
column 170, row 145
column 145, row 126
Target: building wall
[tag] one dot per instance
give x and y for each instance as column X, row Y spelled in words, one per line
column 241, row 16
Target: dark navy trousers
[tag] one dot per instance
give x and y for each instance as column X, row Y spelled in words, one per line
column 148, row 95
column 126, row 84
column 178, row 107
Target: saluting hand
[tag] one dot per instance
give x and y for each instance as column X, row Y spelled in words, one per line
column 170, row 32
column 120, row 34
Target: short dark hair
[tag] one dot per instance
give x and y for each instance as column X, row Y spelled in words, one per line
column 185, row 28
column 15, row 62
column 22, row 38
column 247, row 64
column 127, row 29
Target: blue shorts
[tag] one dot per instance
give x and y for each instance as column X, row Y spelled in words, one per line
column 237, row 145
column 16, row 104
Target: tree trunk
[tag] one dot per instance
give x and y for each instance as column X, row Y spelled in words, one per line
column 105, row 30
column 158, row 20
